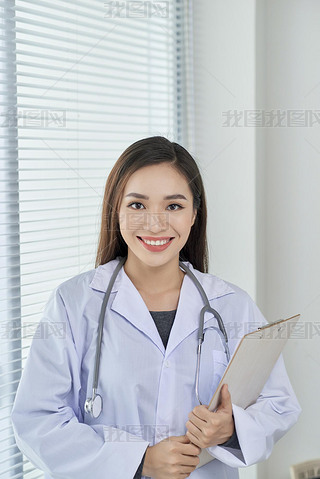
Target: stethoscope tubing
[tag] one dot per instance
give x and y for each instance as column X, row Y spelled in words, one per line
column 209, row 309
column 96, row 398
column 101, row 321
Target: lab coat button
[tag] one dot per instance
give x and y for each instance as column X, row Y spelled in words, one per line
column 167, row 364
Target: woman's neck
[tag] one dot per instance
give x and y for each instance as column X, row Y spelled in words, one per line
column 154, row 280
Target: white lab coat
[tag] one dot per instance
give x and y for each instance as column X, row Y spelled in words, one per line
column 148, row 391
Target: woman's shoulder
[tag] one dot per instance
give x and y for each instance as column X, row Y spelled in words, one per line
column 78, row 283
column 84, row 283
column 238, row 299
column 238, row 302
column 220, row 286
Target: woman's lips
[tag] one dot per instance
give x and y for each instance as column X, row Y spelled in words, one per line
column 155, row 248
column 155, row 238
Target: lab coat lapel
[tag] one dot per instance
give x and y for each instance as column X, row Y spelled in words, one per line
column 126, row 300
column 129, row 303
column 190, row 304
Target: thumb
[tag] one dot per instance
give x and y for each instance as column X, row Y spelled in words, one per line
column 183, row 438
column 225, row 398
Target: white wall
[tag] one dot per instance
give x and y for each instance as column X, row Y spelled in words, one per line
column 224, row 80
column 292, row 214
column 263, row 183
column 224, row 64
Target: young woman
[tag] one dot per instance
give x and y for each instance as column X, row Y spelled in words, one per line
column 144, row 417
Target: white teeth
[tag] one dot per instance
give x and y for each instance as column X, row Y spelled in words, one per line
column 156, row 243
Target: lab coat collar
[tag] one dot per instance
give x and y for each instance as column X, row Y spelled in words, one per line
column 129, row 303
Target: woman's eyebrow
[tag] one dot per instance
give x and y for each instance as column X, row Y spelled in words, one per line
column 169, row 197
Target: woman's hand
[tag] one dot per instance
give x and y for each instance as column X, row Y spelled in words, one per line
column 174, row 457
column 206, row 428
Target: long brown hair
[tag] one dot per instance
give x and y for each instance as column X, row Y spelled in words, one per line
column 151, row 151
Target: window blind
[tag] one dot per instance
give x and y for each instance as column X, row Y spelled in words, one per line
column 10, row 292
column 79, row 82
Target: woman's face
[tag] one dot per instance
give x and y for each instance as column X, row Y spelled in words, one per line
column 146, row 213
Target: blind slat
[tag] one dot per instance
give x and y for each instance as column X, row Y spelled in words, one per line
column 139, row 55
column 80, row 20
column 121, row 39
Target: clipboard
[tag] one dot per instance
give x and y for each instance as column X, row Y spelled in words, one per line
column 250, row 366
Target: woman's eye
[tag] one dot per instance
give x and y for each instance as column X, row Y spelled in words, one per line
column 175, row 204
column 137, row 203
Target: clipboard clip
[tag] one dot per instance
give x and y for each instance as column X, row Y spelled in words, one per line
column 270, row 324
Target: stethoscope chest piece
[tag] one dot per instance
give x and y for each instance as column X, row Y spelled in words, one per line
column 93, row 406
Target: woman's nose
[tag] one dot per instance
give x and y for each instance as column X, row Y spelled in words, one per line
column 156, row 221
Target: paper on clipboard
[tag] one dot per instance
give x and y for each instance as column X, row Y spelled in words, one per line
column 251, row 365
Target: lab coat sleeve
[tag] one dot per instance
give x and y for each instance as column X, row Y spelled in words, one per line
column 263, row 423
column 46, row 410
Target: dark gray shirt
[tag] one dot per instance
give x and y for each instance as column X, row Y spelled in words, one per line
column 164, row 321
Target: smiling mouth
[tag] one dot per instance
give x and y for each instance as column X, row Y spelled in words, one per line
column 156, row 242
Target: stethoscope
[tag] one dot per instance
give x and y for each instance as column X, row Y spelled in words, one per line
column 93, row 405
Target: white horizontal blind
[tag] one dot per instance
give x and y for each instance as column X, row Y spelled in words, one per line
column 10, row 292
column 80, row 81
